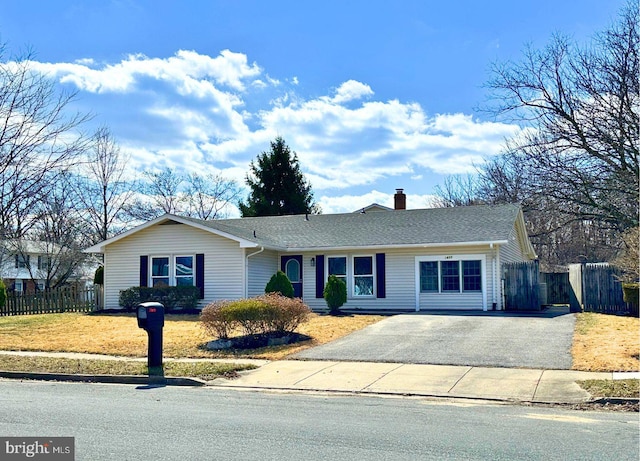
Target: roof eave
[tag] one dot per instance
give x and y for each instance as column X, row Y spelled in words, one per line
column 99, row 248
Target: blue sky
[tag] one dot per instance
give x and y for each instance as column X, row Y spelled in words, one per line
column 372, row 95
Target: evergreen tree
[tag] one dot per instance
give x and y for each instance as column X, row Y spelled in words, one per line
column 278, row 187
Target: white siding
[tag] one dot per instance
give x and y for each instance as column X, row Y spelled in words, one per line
column 400, row 274
column 511, row 252
column 260, row 269
column 223, row 260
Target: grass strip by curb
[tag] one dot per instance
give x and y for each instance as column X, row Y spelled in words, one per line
column 621, row 388
column 202, row 370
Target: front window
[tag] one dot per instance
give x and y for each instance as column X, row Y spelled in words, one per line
column 160, row 271
column 438, row 276
column 338, row 267
column 172, row 271
column 471, row 278
column 43, row 263
column 184, row 270
column 22, row 261
column 363, row 275
column 450, row 276
column 429, row 276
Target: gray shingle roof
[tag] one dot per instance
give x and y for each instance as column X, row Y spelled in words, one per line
column 482, row 223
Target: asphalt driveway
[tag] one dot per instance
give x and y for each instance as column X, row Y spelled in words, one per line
column 494, row 339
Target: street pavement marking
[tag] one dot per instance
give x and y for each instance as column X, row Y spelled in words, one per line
column 560, row 418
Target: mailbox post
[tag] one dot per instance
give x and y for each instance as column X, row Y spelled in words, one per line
column 151, row 319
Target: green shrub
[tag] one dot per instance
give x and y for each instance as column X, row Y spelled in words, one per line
column 185, row 297
column 266, row 314
column 280, row 283
column 3, row 293
column 335, row 294
column 98, row 277
column 631, row 293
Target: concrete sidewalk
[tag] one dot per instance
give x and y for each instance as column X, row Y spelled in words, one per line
column 504, row 384
column 500, row 384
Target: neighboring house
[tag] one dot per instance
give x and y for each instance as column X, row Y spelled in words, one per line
column 445, row 258
column 25, row 264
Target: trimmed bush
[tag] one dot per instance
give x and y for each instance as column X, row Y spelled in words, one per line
column 271, row 313
column 335, row 294
column 98, row 277
column 280, row 283
column 185, row 297
column 3, row 293
column 217, row 319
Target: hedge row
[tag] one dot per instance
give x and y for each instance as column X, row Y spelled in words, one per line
column 185, row 297
column 269, row 313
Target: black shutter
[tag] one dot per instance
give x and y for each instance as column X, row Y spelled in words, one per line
column 200, row 273
column 319, row 276
column 144, row 271
column 381, row 288
column 16, row 261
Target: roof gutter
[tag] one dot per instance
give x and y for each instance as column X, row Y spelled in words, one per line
column 400, row 246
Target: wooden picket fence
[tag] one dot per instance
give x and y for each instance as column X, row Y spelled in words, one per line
column 67, row 299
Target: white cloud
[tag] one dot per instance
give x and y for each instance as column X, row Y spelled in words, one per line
column 229, row 70
column 351, row 203
column 351, row 90
column 215, row 114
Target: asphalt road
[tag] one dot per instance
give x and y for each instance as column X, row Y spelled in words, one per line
column 121, row 422
column 491, row 339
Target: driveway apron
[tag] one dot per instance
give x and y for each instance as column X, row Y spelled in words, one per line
column 494, row 339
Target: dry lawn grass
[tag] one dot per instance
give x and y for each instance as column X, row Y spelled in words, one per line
column 120, row 335
column 204, row 370
column 606, row 343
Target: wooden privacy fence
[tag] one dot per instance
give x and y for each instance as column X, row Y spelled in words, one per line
column 521, row 286
column 67, row 299
column 558, row 288
column 597, row 288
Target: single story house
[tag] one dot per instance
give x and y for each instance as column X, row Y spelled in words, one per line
column 405, row 260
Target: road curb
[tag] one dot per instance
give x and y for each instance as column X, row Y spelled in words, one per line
column 106, row 379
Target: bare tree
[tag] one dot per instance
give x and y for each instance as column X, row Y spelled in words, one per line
column 581, row 104
column 102, row 189
column 629, row 259
column 56, row 238
column 208, row 196
column 457, row 190
column 158, row 193
column 194, row 195
column 38, row 141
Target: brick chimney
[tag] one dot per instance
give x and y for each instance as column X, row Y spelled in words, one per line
column 399, row 200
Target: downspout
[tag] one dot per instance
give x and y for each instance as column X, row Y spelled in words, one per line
column 246, row 271
column 494, row 277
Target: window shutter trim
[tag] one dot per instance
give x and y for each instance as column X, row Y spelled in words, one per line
column 319, row 276
column 144, row 271
column 381, row 288
column 200, row 273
